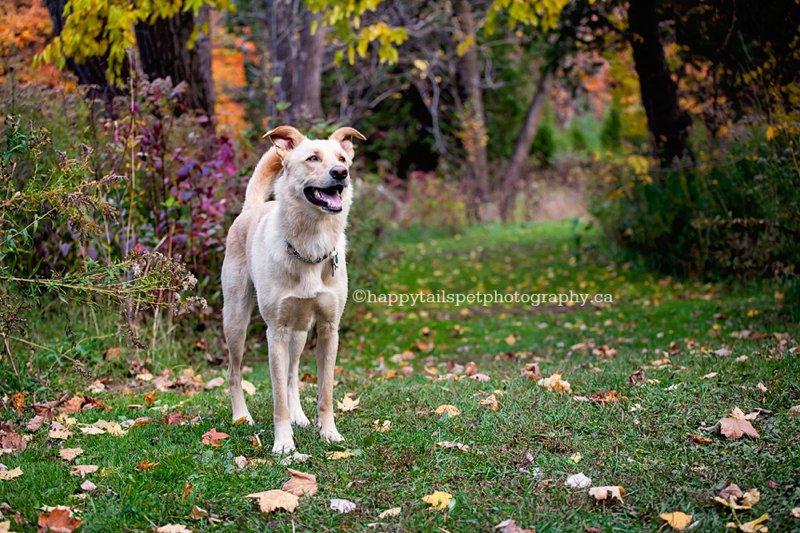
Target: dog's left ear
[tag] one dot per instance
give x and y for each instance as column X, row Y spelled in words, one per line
column 344, row 137
column 285, row 139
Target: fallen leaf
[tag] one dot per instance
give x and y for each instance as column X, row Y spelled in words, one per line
column 709, row 376
column 438, row 500
column 241, row 462
column 480, row 377
column 637, row 377
column 510, row 526
column 69, row 454
column 449, row 444
column 301, row 483
column 11, row 441
column 248, row 387
column 348, row 404
column 270, row 500
column 733, row 497
column 736, row 426
column 510, row 340
column 490, row 401
column 531, row 371
column 578, row 481
column 677, row 520
column 5, row 526
column 699, row 439
column 59, row 520
column 608, row 397
column 84, row 470
column 92, row 430
column 576, row 457
column 58, row 431
column 213, row 437
column 197, row 513
column 755, row 526
column 88, row 486
column 214, row 383
column 389, row 513
column 35, row 423
column 342, row 506
column 174, row 419
column 606, row 493
column 796, row 512
column 335, row 456
column 145, row 465
column 449, row 410
column 6, row 474
column 555, row 384
column 794, row 411
column 173, row 528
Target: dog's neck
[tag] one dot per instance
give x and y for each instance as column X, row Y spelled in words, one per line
column 312, row 236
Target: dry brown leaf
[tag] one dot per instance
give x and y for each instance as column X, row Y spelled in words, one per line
column 755, row 526
column 145, row 465
column 59, row 520
column 389, row 513
column 449, row 444
column 607, row 493
column 88, row 486
column 555, row 384
column 531, row 371
column 35, row 423
column 270, row 500
column 84, row 470
column 490, row 401
column 608, row 397
column 677, row 520
column 58, row 431
column 510, row 526
column 737, row 425
column 732, row 497
column 69, row 454
column 794, row 411
column 348, row 404
column 6, row 474
column 301, row 483
column 447, row 409
column 197, row 513
column 11, row 441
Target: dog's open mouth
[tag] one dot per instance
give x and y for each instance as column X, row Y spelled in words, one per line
column 329, row 199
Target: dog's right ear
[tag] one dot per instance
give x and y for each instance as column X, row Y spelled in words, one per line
column 285, row 139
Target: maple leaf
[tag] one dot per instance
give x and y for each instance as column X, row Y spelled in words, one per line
column 389, row 513
column 677, row 520
column 348, row 404
column 145, row 465
column 438, row 500
column 59, row 520
column 607, row 493
column 84, row 470
column 58, row 431
column 11, row 441
column 69, row 454
column 213, row 437
column 270, row 500
column 342, row 506
column 449, row 410
column 736, row 426
column 510, row 526
column 555, row 384
column 301, row 483
column 6, row 474
column 449, row 444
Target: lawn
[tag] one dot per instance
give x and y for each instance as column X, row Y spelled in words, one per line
column 703, row 349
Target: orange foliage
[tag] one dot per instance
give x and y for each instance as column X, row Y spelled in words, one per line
column 25, row 26
column 227, row 69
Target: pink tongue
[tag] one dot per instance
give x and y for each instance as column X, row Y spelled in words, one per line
column 334, row 200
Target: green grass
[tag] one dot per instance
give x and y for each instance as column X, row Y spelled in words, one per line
column 641, row 443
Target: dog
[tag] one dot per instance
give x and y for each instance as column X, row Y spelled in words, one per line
column 288, row 256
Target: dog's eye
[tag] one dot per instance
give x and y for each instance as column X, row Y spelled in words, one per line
column 313, row 158
column 341, row 158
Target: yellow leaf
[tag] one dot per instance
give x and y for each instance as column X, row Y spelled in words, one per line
column 677, row 520
column 449, row 410
column 607, row 493
column 755, row 526
column 335, row 456
column 388, row 513
column 438, row 500
column 466, row 44
column 270, row 500
column 771, row 132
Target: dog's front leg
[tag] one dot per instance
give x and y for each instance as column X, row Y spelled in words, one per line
column 278, row 340
column 327, row 345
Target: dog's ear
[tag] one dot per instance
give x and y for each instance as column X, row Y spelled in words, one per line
column 285, row 139
column 344, row 137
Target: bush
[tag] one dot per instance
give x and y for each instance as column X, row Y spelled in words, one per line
column 734, row 214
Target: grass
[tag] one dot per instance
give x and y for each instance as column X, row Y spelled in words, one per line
column 519, row 456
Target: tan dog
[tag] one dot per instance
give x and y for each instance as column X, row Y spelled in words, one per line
column 288, row 255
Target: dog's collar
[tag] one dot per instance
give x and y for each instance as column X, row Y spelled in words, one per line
column 317, row 260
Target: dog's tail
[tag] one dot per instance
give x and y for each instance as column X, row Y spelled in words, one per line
column 261, row 184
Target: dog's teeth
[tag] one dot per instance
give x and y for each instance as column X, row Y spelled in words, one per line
column 317, row 194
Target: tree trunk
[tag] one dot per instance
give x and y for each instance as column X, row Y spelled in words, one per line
column 296, row 60
column 667, row 122
column 93, row 71
column 523, row 145
column 164, row 53
column 474, row 135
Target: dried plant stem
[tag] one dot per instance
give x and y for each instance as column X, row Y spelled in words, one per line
column 11, row 357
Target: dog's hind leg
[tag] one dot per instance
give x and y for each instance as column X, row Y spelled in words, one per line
column 278, row 338
column 239, row 297
column 327, row 345
column 296, row 344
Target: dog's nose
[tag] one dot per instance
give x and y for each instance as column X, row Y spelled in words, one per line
column 339, row 172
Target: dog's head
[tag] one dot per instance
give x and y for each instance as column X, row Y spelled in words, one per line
column 317, row 172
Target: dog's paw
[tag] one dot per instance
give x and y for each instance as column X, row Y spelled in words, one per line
column 331, row 435
column 300, row 420
column 283, row 447
column 244, row 418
